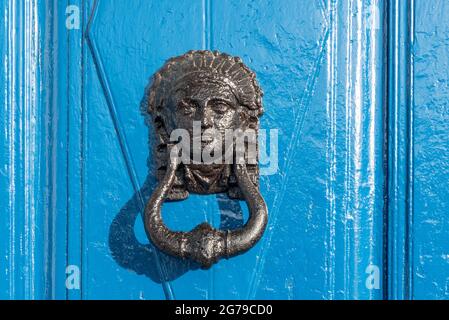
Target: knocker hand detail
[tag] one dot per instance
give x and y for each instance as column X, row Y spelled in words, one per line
column 205, row 106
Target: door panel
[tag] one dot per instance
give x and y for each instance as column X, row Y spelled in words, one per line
column 322, row 223
column 324, row 159
column 430, row 222
column 119, row 73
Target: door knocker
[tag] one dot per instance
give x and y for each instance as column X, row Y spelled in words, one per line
column 205, row 107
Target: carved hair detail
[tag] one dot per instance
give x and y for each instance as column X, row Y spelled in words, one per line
column 230, row 69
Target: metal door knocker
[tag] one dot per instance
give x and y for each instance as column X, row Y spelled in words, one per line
column 206, row 107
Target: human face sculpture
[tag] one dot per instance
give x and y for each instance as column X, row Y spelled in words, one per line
column 208, row 104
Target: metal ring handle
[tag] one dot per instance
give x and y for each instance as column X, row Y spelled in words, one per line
column 205, row 244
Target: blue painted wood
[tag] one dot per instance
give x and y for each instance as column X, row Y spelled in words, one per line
column 321, row 72
column 336, row 207
column 417, row 237
column 356, row 89
column 23, row 222
column 75, row 66
column 430, row 140
column 400, row 150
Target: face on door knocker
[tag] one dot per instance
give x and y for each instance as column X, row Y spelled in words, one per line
column 208, row 97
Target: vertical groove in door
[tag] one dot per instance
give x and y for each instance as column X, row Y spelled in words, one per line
column 22, row 153
column 67, row 142
column 50, row 196
column 400, row 150
column 74, row 69
column 385, row 148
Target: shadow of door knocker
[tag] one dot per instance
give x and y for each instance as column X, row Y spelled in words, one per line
column 205, row 107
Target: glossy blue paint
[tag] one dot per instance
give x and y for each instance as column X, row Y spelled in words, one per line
column 400, row 150
column 23, row 152
column 418, row 159
column 316, row 71
column 346, row 85
column 430, row 140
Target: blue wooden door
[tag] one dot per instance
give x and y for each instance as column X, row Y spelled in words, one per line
column 356, row 137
